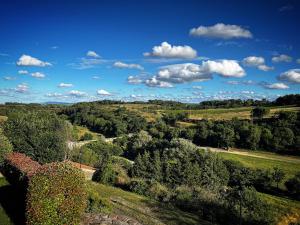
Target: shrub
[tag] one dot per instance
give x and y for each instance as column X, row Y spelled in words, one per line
column 5, row 146
column 56, row 195
column 18, row 168
column 139, row 186
column 87, row 136
column 96, row 203
column 159, row 192
column 121, row 176
column 293, row 186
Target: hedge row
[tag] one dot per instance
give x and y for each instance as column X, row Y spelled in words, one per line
column 19, row 168
column 56, row 192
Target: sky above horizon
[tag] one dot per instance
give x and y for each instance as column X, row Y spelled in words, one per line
column 188, row 51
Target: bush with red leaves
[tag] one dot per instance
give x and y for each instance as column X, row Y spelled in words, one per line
column 56, row 195
column 18, row 168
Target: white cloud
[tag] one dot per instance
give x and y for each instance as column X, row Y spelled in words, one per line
column 197, row 87
column 255, row 61
column 221, row 30
column 182, row 73
column 95, row 77
column 282, row 58
column 134, row 80
column 78, row 94
column 103, row 92
column 298, row 61
column 292, row 76
column 27, row 60
column 265, row 67
column 276, row 86
column 65, row 85
column 92, row 54
column 244, row 82
column 190, row 72
column 55, row 95
column 153, row 82
column 129, row 66
column 165, row 50
column 9, row 78
column 22, row 72
column 225, row 68
column 38, row 75
column 22, row 88
column 87, row 63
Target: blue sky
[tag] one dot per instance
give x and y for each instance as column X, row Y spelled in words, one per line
column 189, row 51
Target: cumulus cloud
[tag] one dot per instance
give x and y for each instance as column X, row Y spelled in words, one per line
column 190, row 72
column 258, row 62
column 77, row 94
column 38, row 75
column 292, row 76
column 165, row 50
column 276, row 86
column 225, row 68
column 154, row 82
column 103, row 92
column 22, row 72
column 134, row 80
column 265, row 67
column 65, row 85
column 92, row 54
column 22, row 88
column 122, row 65
column 253, row 61
column 282, row 58
column 221, row 30
column 27, row 60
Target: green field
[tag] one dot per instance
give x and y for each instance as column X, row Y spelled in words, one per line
column 228, row 114
column 290, row 165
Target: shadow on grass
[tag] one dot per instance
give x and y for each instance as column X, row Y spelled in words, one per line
column 12, row 199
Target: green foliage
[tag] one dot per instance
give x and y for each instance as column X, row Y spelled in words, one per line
column 5, row 146
column 56, row 195
column 40, row 135
column 110, row 122
column 278, row 175
column 139, row 186
column 293, row 186
column 259, row 112
column 85, row 156
column 87, row 136
column 96, row 203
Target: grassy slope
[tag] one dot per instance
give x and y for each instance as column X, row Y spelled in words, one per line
column 4, row 218
column 286, row 163
column 143, row 209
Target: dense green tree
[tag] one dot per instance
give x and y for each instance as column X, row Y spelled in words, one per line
column 40, row 135
column 5, row 146
column 293, row 186
column 259, row 112
column 278, row 175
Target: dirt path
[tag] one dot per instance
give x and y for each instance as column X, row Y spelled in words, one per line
column 262, row 155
